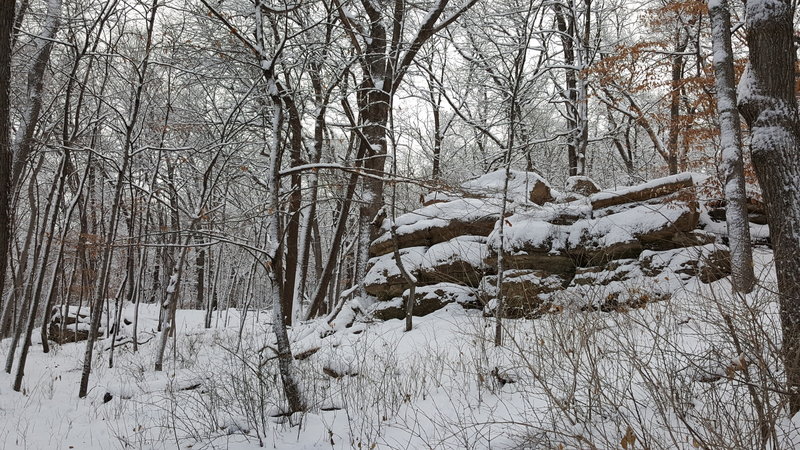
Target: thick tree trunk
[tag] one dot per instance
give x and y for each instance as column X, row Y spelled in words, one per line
column 6, row 22
column 768, row 104
column 742, row 277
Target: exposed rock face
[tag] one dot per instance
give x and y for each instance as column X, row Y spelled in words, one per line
column 428, row 299
column 525, row 291
column 707, row 262
column 599, row 251
column 459, row 260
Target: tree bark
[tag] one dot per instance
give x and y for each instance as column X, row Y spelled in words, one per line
column 768, row 104
column 742, row 276
column 6, row 27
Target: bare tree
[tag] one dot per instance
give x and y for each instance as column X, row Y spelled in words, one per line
column 130, row 124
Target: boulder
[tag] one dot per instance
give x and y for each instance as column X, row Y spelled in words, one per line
column 531, row 243
column 384, row 280
column 624, row 234
column 643, row 192
column 439, row 222
column 71, row 333
column 581, row 185
column 756, row 211
column 459, row 260
column 522, row 186
column 75, row 322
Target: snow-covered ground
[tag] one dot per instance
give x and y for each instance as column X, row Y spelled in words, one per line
column 665, row 376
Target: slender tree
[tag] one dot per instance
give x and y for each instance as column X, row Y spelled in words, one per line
column 742, row 277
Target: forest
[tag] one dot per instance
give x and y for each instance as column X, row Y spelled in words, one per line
column 399, row 224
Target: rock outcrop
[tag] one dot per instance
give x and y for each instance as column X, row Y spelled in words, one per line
column 71, row 324
column 590, row 249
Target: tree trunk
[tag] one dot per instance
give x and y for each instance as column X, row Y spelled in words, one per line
column 768, row 104
column 681, row 41
column 6, row 22
column 97, row 306
column 742, row 276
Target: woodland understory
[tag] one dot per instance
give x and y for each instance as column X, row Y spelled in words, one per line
column 213, row 212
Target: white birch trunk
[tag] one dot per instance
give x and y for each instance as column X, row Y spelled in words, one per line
column 742, row 276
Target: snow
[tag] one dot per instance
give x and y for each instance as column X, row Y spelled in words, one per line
column 758, row 11
column 441, row 385
column 384, row 267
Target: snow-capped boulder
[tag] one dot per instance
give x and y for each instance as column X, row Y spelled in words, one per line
column 522, row 186
column 459, row 260
column 529, row 242
column 581, row 185
column 384, row 280
column 439, row 222
column 69, row 324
